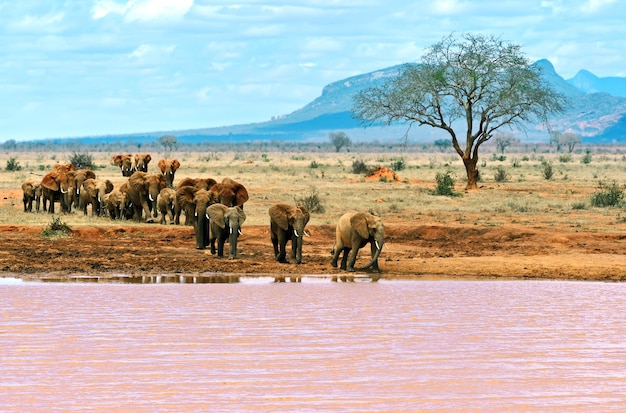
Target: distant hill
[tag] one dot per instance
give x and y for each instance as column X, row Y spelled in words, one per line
column 596, row 111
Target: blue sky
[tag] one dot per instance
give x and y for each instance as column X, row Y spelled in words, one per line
column 97, row 67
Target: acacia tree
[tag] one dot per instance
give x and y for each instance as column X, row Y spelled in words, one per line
column 474, row 80
column 339, row 140
column 169, row 142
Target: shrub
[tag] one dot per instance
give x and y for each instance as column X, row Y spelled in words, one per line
column 312, row 202
column 566, row 157
column 398, row 165
column 445, row 184
column 579, row 205
column 359, row 167
column 314, row 165
column 547, row 171
column 500, row 175
column 56, row 228
column 608, row 195
column 13, row 165
column 587, row 158
column 82, row 160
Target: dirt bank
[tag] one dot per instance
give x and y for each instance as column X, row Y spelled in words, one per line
column 419, row 251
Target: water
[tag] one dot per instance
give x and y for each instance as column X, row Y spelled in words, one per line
column 441, row 346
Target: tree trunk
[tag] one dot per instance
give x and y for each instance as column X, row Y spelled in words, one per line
column 472, row 172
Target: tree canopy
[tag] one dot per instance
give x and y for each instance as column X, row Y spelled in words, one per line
column 474, row 82
column 339, row 140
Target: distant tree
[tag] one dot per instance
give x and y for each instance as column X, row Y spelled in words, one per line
column 9, row 144
column 474, row 80
column 339, row 140
column 443, row 144
column 504, row 140
column 82, row 161
column 567, row 139
column 168, row 142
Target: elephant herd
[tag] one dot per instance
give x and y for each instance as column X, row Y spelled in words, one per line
column 214, row 209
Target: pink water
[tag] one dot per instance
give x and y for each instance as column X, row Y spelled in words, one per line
column 440, row 346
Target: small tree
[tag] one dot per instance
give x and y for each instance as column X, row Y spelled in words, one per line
column 442, row 144
column 503, row 141
column 82, row 161
column 168, row 142
column 567, row 139
column 339, row 140
column 476, row 81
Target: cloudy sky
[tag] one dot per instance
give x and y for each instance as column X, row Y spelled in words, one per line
column 97, row 67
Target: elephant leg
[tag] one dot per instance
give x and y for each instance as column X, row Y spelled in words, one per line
column 374, row 250
column 275, row 245
column 335, row 255
column 146, row 210
column 220, row 246
column 282, row 255
column 349, row 258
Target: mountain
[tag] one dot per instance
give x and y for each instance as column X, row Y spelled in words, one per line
column 590, row 83
column 596, row 111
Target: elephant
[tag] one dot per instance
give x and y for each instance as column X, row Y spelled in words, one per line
column 92, row 193
column 116, row 203
column 143, row 190
column 165, row 205
column 141, row 161
column 198, row 183
column 287, row 222
column 125, row 162
column 168, row 167
column 194, row 202
column 230, row 193
column 78, row 177
column 56, row 186
column 30, row 188
column 354, row 230
column 224, row 223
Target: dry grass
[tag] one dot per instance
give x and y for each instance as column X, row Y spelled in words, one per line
column 527, row 198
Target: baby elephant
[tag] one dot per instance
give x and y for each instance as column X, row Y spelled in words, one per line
column 224, row 223
column 287, row 223
column 354, row 231
column 165, row 205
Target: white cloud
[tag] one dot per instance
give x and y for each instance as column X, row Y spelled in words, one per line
column 46, row 23
column 143, row 10
column 591, row 6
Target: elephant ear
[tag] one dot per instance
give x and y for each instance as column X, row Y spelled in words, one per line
column 305, row 213
column 185, row 195
column 216, row 213
column 215, row 190
column 175, row 165
column 117, row 159
column 242, row 215
column 50, row 182
column 89, row 174
column 359, row 224
column 162, row 165
column 242, row 194
column 147, row 159
column 279, row 215
column 108, row 186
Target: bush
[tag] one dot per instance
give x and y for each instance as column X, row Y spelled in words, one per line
column 608, row 196
column 314, row 165
column 57, row 227
column 566, row 157
column 312, row 202
column 547, row 171
column 445, row 184
column 82, row 161
column 587, row 158
column 359, row 167
column 13, row 165
column 398, row 165
column 500, row 175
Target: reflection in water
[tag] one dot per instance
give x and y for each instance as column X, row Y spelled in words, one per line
column 260, row 346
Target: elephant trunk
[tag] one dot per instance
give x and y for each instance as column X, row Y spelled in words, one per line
column 297, row 241
column 201, row 231
column 232, row 240
column 374, row 261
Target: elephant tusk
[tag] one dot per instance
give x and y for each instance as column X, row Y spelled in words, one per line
column 306, row 233
column 195, row 214
column 239, row 232
column 150, row 197
column 295, row 231
column 63, row 192
column 231, row 230
column 377, row 245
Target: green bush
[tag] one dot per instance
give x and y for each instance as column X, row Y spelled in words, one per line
column 314, row 165
column 82, row 161
column 312, row 202
column 500, row 175
column 587, row 158
column 547, row 171
column 359, row 167
column 56, row 228
column 445, row 184
column 398, row 165
column 13, row 165
column 608, row 196
column 566, row 157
